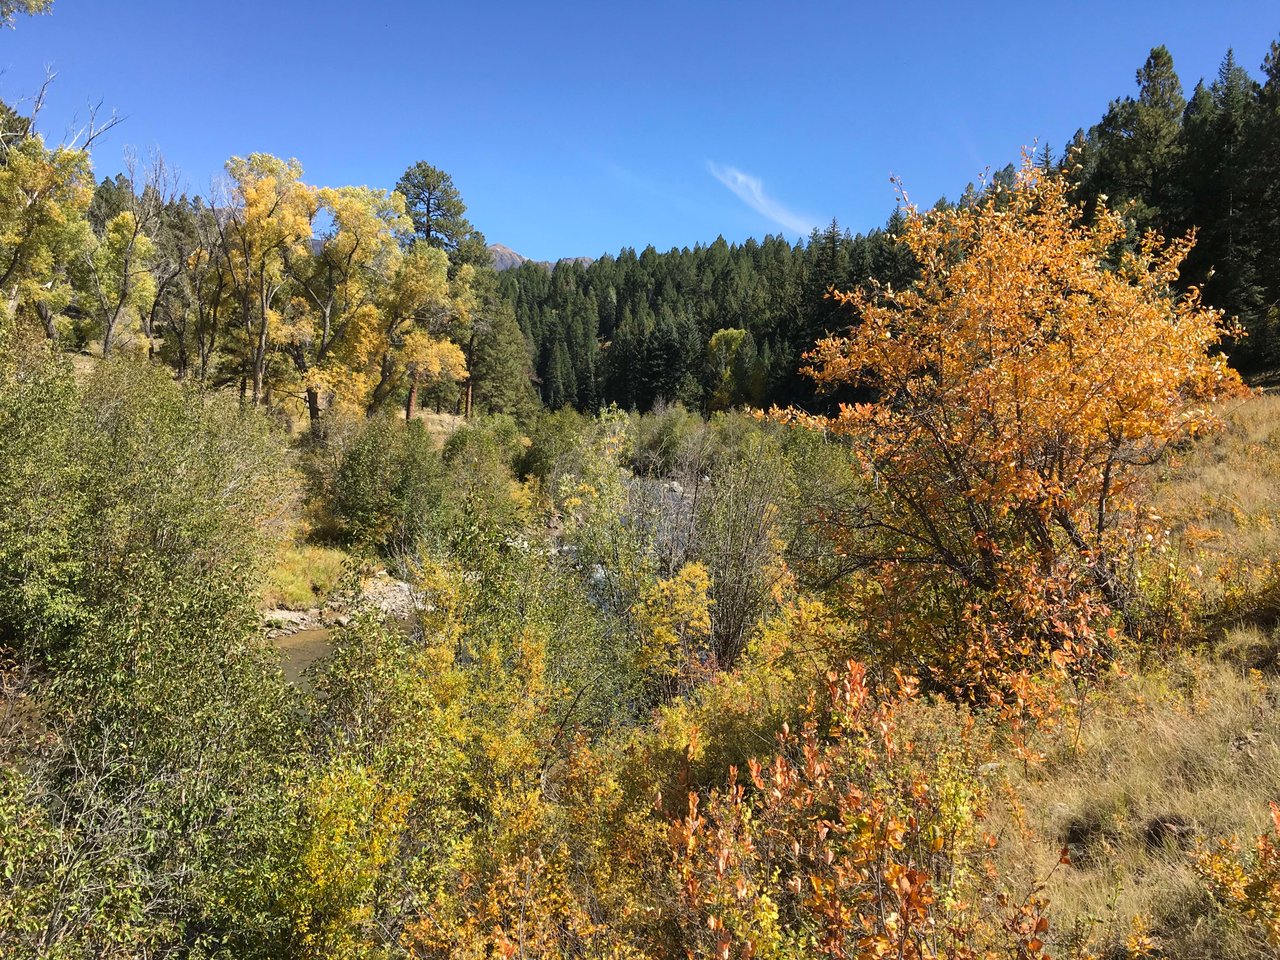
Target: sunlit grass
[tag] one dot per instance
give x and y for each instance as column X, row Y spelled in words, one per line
column 1179, row 749
column 303, row 577
column 1185, row 751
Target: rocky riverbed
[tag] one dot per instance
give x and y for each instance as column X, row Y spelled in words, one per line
column 302, row 636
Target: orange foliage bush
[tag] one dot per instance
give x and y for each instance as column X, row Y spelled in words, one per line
column 1247, row 884
column 1018, row 385
column 854, row 841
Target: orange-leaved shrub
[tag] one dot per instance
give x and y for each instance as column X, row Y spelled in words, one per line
column 862, row 837
column 1247, row 883
column 1016, row 390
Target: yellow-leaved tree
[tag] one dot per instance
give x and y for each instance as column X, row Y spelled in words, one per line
column 1019, row 385
column 44, row 194
column 263, row 222
column 117, row 282
column 332, row 329
column 343, row 317
column 424, row 314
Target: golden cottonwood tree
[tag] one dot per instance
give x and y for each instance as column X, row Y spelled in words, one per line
column 351, row 313
column 332, row 329
column 1020, row 383
column 367, row 315
column 423, row 314
column 429, row 360
column 44, row 194
column 117, row 281
column 265, row 221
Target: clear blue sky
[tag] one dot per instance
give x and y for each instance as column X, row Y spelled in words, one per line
column 576, row 128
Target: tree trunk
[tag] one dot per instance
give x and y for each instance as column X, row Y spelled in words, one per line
column 313, row 407
column 260, row 363
column 382, row 389
column 47, row 318
column 411, row 403
column 1103, row 572
column 108, row 331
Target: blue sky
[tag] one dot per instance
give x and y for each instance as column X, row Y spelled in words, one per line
column 575, row 129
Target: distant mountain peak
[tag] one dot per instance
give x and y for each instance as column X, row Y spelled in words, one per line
column 504, row 258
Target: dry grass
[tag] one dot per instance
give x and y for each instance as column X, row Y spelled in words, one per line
column 1188, row 751
column 440, row 425
column 1221, row 500
column 1183, row 749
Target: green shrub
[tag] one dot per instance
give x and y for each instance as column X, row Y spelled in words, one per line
column 666, row 439
column 484, row 497
column 387, row 487
column 553, row 436
column 129, row 477
column 136, row 520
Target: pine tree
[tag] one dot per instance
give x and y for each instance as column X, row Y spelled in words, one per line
column 1216, row 179
column 435, row 206
column 1263, row 190
column 1135, row 147
column 499, row 364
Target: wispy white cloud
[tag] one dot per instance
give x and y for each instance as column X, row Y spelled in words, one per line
column 750, row 191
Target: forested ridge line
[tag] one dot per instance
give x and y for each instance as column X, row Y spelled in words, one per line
column 722, row 324
column 320, row 296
